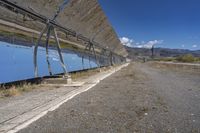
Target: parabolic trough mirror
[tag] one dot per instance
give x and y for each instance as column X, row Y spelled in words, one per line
column 21, row 33
column 17, row 62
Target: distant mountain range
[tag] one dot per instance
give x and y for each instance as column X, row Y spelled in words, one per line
column 159, row 52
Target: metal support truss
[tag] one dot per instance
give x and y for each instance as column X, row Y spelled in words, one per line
column 90, row 49
column 47, row 51
column 104, row 53
column 111, row 59
column 48, row 30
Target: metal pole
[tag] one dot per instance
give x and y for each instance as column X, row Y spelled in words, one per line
column 95, row 55
column 83, row 61
column 59, row 52
column 111, row 59
column 35, row 52
column 47, row 51
column 83, row 55
column 152, row 52
column 89, row 55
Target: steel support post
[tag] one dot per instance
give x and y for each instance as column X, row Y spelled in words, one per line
column 95, row 55
column 35, row 51
column 59, row 51
column 83, row 55
column 89, row 56
column 47, row 51
column 111, row 59
column 90, row 48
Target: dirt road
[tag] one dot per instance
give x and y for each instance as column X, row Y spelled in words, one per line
column 139, row 98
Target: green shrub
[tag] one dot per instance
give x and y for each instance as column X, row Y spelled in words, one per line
column 166, row 59
column 186, row 58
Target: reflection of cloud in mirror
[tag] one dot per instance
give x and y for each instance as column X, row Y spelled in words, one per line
column 53, row 56
column 55, row 59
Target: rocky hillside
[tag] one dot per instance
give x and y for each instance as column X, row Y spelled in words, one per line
column 84, row 16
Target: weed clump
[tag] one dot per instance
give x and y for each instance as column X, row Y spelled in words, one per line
column 16, row 90
column 182, row 58
column 10, row 92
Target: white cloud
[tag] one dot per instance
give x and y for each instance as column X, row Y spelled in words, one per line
column 126, row 41
column 137, row 43
column 149, row 44
column 183, row 46
column 194, row 46
column 130, row 43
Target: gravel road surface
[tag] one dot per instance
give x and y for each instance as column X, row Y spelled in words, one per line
column 139, row 98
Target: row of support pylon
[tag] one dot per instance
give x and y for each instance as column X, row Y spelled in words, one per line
column 50, row 30
column 90, row 49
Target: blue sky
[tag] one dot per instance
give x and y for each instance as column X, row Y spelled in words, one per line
column 166, row 23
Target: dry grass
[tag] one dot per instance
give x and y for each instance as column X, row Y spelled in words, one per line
column 9, row 92
column 85, row 74
column 180, row 68
column 16, row 90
